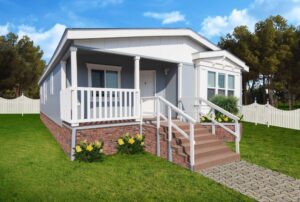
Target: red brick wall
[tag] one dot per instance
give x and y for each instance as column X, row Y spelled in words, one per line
column 63, row 135
column 110, row 136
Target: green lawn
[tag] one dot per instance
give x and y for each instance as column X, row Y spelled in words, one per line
column 34, row 168
column 274, row 148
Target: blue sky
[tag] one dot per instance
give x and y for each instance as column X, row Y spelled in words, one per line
column 45, row 20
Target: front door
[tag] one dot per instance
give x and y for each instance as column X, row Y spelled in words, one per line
column 147, row 86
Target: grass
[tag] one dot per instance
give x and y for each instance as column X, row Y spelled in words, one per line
column 274, row 148
column 34, row 168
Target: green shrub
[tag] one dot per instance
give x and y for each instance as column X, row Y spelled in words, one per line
column 227, row 103
column 221, row 118
column 128, row 144
column 89, row 152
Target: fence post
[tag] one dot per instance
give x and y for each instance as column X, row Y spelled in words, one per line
column 213, row 126
column 268, row 114
column 22, row 104
column 157, row 127
column 255, row 111
column 169, row 134
column 141, row 116
column 192, row 146
column 237, row 139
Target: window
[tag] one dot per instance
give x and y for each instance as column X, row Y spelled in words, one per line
column 217, row 84
column 104, row 76
column 221, row 84
column 51, row 84
column 211, row 90
column 230, row 86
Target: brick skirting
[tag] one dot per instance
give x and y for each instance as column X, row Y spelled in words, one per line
column 63, row 135
column 110, row 135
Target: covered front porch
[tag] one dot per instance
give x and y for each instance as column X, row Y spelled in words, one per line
column 100, row 86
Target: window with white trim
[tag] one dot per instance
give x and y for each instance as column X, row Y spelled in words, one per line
column 220, row 84
column 211, row 90
column 231, row 85
column 104, row 76
column 51, row 84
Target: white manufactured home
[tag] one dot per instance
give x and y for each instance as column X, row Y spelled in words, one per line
column 105, row 78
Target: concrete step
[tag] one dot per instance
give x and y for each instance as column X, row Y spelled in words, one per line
column 211, row 161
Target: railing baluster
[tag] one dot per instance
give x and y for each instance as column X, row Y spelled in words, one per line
column 88, row 104
column 116, row 104
column 82, row 104
column 169, row 133
column 121, row 104
column 129, row 105
column 125, row 100
column 110, row 104
column 105, row 104
column 94, row 105
column 100, row 104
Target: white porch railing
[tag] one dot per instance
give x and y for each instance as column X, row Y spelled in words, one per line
column 159, row 101
column 99, row 104
column 200, row 103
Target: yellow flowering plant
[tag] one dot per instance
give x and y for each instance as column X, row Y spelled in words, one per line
column 89, row 151
column 131, row 144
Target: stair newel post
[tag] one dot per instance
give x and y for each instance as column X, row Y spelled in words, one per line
column 169, row 133
column 141, row 116
column 238, row 137
column 157, row 127
column 192, row 146
column 213, row 126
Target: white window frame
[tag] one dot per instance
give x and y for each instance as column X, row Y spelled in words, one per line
column 51, row 84
column 227, row 87
column 216, row 88
column 103, row 68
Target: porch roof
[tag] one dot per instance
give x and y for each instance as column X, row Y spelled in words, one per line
column 71, row 34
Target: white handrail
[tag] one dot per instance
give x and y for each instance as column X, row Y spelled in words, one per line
column 236, row 119
column 171, row 125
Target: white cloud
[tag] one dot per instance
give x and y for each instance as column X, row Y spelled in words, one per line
column 221, row 25
column 4, row 29
column 166, row 18
column 46, row 39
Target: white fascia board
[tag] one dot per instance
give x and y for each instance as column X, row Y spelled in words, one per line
column 221, row 53
column 124, row 33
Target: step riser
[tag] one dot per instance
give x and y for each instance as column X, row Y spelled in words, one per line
column 216, row 163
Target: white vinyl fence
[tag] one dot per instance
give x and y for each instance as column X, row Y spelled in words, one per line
column 21, row 105
column 269, row 115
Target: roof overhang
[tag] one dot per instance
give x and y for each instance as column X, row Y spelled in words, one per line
column 77, row 34
column 221, row 54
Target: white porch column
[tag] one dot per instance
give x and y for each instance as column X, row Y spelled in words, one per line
column 63, row 74
column 137, row 72
column 73, row 54
column 197, row 93
column 137, row 101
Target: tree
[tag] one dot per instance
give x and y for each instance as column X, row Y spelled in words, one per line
column 272, row 53
column 242, row 43
column 21, row 65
